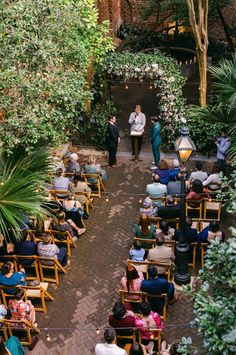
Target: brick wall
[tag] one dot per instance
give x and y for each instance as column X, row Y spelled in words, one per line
column 130, row 11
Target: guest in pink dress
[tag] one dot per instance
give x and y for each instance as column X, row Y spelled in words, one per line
column 132, row 281
column 148, row 319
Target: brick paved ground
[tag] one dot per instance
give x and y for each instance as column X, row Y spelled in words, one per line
column 89, row 289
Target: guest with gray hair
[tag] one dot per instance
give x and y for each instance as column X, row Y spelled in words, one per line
column 148, row 208
column 175, row 170
column 73, row 165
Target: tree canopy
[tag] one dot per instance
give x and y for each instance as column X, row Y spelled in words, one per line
column 45, row 50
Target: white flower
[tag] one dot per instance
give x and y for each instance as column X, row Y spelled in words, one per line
column 183, row 119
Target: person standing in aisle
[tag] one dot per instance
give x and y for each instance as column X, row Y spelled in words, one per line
column 113, row 139
column 155, row 138
column 137, row 120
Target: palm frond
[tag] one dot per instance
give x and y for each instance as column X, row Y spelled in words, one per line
column 220, row 113
column 225, row 80
column 22, row 189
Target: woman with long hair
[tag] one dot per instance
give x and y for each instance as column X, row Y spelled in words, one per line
column 144, row 229
column 132, row 280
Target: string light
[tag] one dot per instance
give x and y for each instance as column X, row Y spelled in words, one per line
column 152, row 336
column 107, row 197
column 126, row 86
column 150, row 87
column 1, row 183
column 140, row 199
column 98, row 331
column 47, row 335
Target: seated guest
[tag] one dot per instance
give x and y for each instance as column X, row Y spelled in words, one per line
column 211, row 233
column 93, row 168
column 68, row 225
column 138, row 349
column 109, row 347
column 175, row 171
column 48, row 250
column 174, row 187
column 196, row 192
column 60, row 182
column 73, row 165
column 11, row 347
column 155, row 285
column 10, row 278
column 3, row 312
column 121, row 318
column 198, row 174
column 26, row 247
column 148, row 208
column 190, row 233
column 21, row 310
column 163, row 171
column 213, row 181
column 148, row 319
column 131, row 282
column 170, row 210
column 137, row 252
column 80, row 186
column 167, row 231
column 73, row 210
column 156, row 189
column 144, row 229
column 161, row 253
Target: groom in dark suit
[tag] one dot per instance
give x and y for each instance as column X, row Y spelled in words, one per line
column 112, row 139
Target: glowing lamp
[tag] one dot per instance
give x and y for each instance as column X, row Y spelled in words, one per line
column 184, row 145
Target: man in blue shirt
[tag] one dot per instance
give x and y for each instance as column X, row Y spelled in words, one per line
column 156, row 286
column 222, row 143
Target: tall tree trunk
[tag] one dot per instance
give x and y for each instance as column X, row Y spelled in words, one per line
column 199, row 25
column 202, row 59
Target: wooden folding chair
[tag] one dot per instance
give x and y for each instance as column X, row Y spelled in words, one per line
column 157, row 337
column 23, row 262
column 130, row 337
column 203, row 248
column 193, row 262
column 98, row 185
column 125, row 296
column 19, row 327
column 158, row 200
column 194, row 206
column 8, row 257
column 39, row 292
column 212, row 206
column 146, row 243
column 56, row 194
column 196, row 224
column 69, row 242
column 3, row 330
column 163, row 297
column 204, row 223
column 53, row 266
column 88, row 201
column 144, row 265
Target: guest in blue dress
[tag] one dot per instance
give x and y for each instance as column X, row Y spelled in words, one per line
column 10, row 278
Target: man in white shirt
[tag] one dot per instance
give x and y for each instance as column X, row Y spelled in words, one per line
column 199, row 174
column 109, row 347
column 137, row 119
column 156, row 189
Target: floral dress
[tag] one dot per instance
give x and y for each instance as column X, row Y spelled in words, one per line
column 21, row 310
column 152, row 321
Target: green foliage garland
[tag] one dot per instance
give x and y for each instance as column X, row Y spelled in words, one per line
column 164, row 73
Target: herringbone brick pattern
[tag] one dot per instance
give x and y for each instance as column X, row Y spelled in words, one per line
column 88, row 291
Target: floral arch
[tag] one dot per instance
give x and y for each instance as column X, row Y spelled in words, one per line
column 164, row 74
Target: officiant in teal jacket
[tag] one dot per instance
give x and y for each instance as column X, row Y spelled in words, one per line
column 155, row 138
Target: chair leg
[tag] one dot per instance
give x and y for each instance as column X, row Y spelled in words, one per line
column 43, row 302
column 194, row 257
